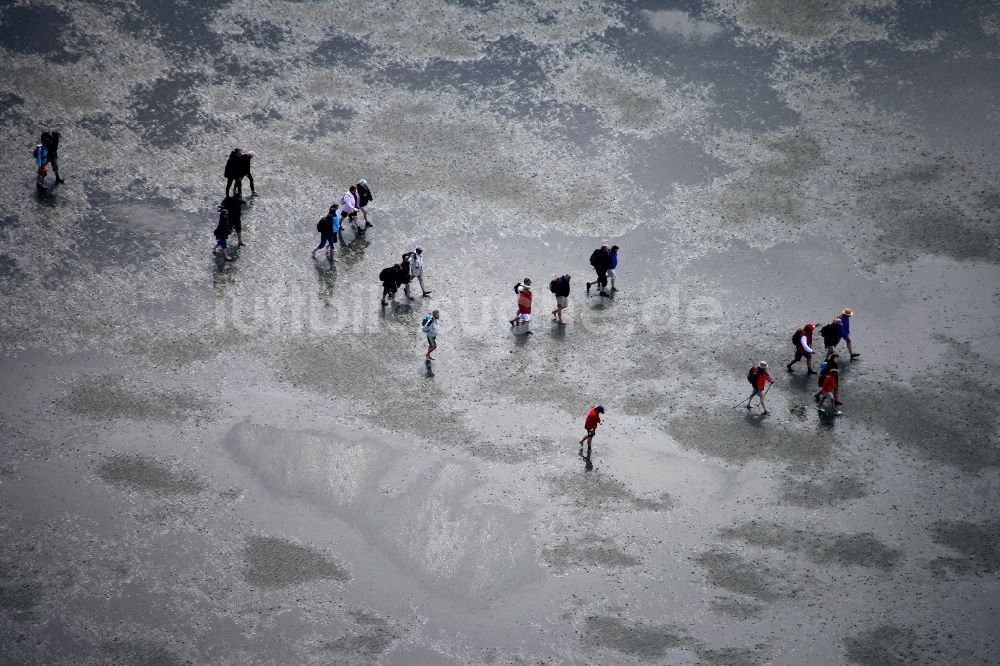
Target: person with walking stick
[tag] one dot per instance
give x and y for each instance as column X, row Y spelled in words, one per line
column 758, row 378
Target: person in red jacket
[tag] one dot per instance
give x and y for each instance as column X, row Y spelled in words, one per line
column 759, row 379
column 803, row 339
column 524, row 298
column 590, row 425
column 828, row 391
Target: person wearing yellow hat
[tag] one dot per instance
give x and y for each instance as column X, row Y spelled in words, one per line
column 845, row 330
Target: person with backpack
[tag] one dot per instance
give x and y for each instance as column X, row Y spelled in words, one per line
column 41, row 155
column 328, row 227
column 759, row 378
column 825, row 368
column 590, row 425
column 559, row 285
column 524, row 298
column 417, row 269
column 234, row 205
column 430, row 325
column 232, row 172
column 364, row 198
column 831, row 334
column 613, row 270
column 802, row 339
column 828, row 391
column 404, row 275
column 600, row 259
column 845, row 330
column 222, row 231
column 244, row 171
column 388, row 276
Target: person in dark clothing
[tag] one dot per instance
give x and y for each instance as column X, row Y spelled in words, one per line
column 831, row 335
column 232, row 172
column 54, row 154
column 404, row 275
column 244, row 171
column 560, row 287
column 600, row 259
column 234, row 206
column 222, row 231
column 364, row 197
column 388, row 276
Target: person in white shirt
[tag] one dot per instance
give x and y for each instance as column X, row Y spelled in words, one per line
column 417, row 269
column 430, row 326
column 349, row 208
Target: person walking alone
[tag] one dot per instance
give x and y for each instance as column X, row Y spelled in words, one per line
column 600, row 259
column 590, row 425
column 845, row 330
column 430, row 326
column 560, row 287
column 417, row 269
column 802, row 339
column 328, row 226
column 759, row 378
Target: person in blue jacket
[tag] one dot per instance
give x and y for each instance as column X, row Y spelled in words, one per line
column 845, row 330
column 613, row 271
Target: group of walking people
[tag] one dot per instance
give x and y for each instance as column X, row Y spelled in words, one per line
column 828, row 380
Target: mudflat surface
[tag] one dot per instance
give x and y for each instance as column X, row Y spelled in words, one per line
column 249, row 462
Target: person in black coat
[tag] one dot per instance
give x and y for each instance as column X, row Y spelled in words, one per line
column 234, row 206
column 600, row 259
column 54, row 154
column 244, row 171
column 388, row 276
column 404, row 275
column 222, row 231
column 364, row 198
column 232, row 173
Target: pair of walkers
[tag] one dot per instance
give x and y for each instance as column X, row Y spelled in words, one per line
column 46, row 154
column 356, row 200
column 558, row 285
column 237, row 168
column 400, row 275
column 605, row 262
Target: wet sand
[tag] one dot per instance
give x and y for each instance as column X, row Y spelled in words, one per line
column 250, row 463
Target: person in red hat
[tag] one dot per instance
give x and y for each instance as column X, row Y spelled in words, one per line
column 802, row 339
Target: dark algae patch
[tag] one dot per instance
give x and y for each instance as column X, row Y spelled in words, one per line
column 732, row 572
column 978, row 543
column 824, row 492
column 737, row 608
column 820, row 547
column 889, row 645
column 642, row 640
column 374, row 636
column 137, row 472
column 139, row 653
column 274, row 562
column 589, row 551
column 110, row 397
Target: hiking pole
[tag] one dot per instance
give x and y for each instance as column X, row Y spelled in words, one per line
column 744, row 400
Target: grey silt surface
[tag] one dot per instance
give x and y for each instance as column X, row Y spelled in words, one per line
column 249, row 462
